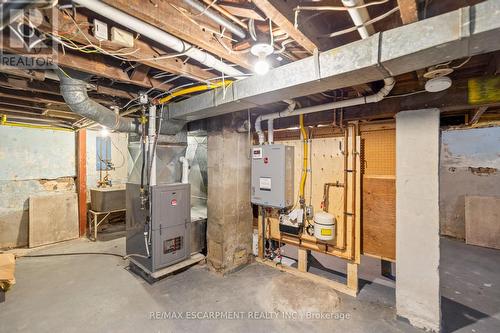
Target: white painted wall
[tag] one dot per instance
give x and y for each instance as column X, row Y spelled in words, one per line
column 417, row 218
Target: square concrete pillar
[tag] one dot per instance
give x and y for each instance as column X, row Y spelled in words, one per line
column 229, row 224
column 417, row 218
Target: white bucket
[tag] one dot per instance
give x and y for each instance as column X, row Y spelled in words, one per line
column 324, row 226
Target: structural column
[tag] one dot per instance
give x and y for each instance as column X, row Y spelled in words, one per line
column 81, row 179
column 417, row 218
column 229, row 225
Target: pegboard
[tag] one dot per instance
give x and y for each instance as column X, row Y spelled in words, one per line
column 379, row 152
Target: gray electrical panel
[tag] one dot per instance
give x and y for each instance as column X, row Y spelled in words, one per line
column 169, row 227
column 272, row 175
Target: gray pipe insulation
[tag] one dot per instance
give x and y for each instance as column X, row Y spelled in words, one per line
column 75, row 94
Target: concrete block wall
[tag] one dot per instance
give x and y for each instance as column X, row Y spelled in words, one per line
column 229, row 226
column 470, row 166
column 32, row 161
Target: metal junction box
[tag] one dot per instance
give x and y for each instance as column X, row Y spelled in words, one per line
column 272, row 175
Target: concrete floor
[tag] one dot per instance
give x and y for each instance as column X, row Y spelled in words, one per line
column 98, row 294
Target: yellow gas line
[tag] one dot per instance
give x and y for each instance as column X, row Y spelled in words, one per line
column 203, row 87
column 304, row 166
column 4, row 122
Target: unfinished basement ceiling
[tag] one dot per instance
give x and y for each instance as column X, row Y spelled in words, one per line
column 116, row 73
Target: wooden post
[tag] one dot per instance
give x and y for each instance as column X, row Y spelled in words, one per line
column 352, row 276
column 260, row 226
column 303, row 257
column 81, row 175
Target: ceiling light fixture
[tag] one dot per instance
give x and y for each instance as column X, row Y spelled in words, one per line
column 261, row 50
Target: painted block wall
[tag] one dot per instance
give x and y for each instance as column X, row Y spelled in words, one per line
column 32, row 161
column 470, row 165
column 119, row 155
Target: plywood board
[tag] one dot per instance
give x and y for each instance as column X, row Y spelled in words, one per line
column 327, row 165
column 482, row 221
column 52, row 218
column 379, row 193
column 379, row 217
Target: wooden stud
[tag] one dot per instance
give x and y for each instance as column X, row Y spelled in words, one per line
column 260, row 226
column 81, row 151
column 352, row 276
column 303, row 259
column 408, row 10
column 311, row 277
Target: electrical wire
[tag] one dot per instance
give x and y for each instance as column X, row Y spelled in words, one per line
column 82, row 254
column 71, row 254
column 407, row 94
column 339, row 8
column 376, row 19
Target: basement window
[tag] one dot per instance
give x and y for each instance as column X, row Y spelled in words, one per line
column 103, row 153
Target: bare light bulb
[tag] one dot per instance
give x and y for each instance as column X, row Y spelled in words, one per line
column 104, row 132
column 261, row 67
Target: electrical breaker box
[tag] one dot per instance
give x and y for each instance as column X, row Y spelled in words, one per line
column 272, row 176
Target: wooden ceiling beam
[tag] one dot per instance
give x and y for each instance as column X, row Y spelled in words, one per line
column 95, row 64
column 408, row 10
column 143, row 52
column 164, row 16
column 284, row 24
column 477, row 114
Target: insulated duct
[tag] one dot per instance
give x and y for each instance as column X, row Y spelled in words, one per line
column 75, row 94
column 159, row 36
column 216, row 18
column 465, row 32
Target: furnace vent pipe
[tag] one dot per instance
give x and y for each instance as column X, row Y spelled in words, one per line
column 185, row 169
column 216, row 18
column 270, row 117
column 75, row 94
column 159, row 36
column 389, row 83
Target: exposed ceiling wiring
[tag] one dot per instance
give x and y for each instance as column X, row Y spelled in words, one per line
column 376, row 19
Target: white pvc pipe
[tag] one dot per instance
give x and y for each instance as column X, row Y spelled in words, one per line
column 270, row 117
column 389, row 83
column 151, row 140
column 270, row 129
column 356, row 16
column 159, row 36
column 185, row 170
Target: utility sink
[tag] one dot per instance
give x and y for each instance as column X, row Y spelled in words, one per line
column 107, row 198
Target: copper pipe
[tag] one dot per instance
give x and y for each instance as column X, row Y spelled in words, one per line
column 326, row 193
column 225, row 13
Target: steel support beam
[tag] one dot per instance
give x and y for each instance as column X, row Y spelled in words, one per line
column 461, row 33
